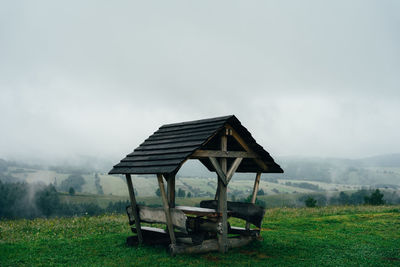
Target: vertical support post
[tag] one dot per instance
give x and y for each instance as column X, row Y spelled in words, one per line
column 222, row 198
column 254, row 195
column 134, row 207
column 171, row 190
column 166, row 209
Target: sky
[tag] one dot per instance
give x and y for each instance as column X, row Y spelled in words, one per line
column 95, row 78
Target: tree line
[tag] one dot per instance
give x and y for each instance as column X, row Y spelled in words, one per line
column 22, row 200
column 360, row 197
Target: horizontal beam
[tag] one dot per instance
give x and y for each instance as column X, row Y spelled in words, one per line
column 222, row 154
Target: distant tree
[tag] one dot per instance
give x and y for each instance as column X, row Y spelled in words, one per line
column 158, row 192
column 275, row 190
column 358, row 197
column 310, row 202
column 181, row 192
column 14, row 201
column 376, row 198
column 344, row 199
column 71, row 191
column 260, row 192
column 189, row 195
column 74, row 180
column 47, row 200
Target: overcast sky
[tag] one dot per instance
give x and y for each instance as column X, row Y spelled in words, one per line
column 95, row 78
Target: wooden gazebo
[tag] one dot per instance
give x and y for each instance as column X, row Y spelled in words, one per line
column 224, row 146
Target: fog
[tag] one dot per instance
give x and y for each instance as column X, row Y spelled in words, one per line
column 95, row 78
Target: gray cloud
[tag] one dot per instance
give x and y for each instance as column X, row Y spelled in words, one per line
column 96, row 78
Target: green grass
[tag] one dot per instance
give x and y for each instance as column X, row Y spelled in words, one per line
column 330, row 236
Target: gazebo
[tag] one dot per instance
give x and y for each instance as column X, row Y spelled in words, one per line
column 223, row 146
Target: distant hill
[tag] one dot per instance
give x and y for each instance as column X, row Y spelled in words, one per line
column 382, row 169
column 370, row 171
column 389, row 160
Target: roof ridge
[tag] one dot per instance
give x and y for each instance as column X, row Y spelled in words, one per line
column 199, row 121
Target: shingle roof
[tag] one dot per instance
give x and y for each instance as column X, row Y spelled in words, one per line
column 172, row 144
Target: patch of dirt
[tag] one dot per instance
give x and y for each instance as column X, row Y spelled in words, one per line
column 266, row 229
column 263, row 256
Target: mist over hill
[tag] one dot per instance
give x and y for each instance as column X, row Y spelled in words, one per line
column 371, row 171
column 377, row 170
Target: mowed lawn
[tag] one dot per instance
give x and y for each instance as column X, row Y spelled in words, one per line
column 328, row 236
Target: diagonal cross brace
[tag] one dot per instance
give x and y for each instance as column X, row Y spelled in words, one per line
column 225, row 178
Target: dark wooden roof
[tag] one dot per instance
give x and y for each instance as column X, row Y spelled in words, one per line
column 172, row 144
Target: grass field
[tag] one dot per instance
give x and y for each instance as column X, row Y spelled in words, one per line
column 329, row 236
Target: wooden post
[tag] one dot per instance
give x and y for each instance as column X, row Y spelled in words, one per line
column 217, row 192
column 134, row 207
column 222, row 198
column 255, row 191
column 166, row 209
column 171, row 190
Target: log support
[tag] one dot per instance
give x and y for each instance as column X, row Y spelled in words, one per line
column 211, row 245
column 166, row 210
column 171, row 190
column 254, row 195
column 134, row 207
column 222, row 198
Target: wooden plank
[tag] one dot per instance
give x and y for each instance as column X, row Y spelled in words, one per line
column 169, row 145
column 171, row 190
column 167, row 136
column 157, row 215
column 162, row 151
column 222, row 198
column 197, row 211
column 190, row 130
column 187, row 127
column 254, row 195
column 154, row 230
column 243, row 143
column 158, row 231
column 218, row 169
column 166, row 209
column 222, row 154
column 196, row 137
column 246, row 211
column 134, row 206
column 233, row 169
column 223, row 118
column 178, row 156
column 149, row 163
column 143, row 170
